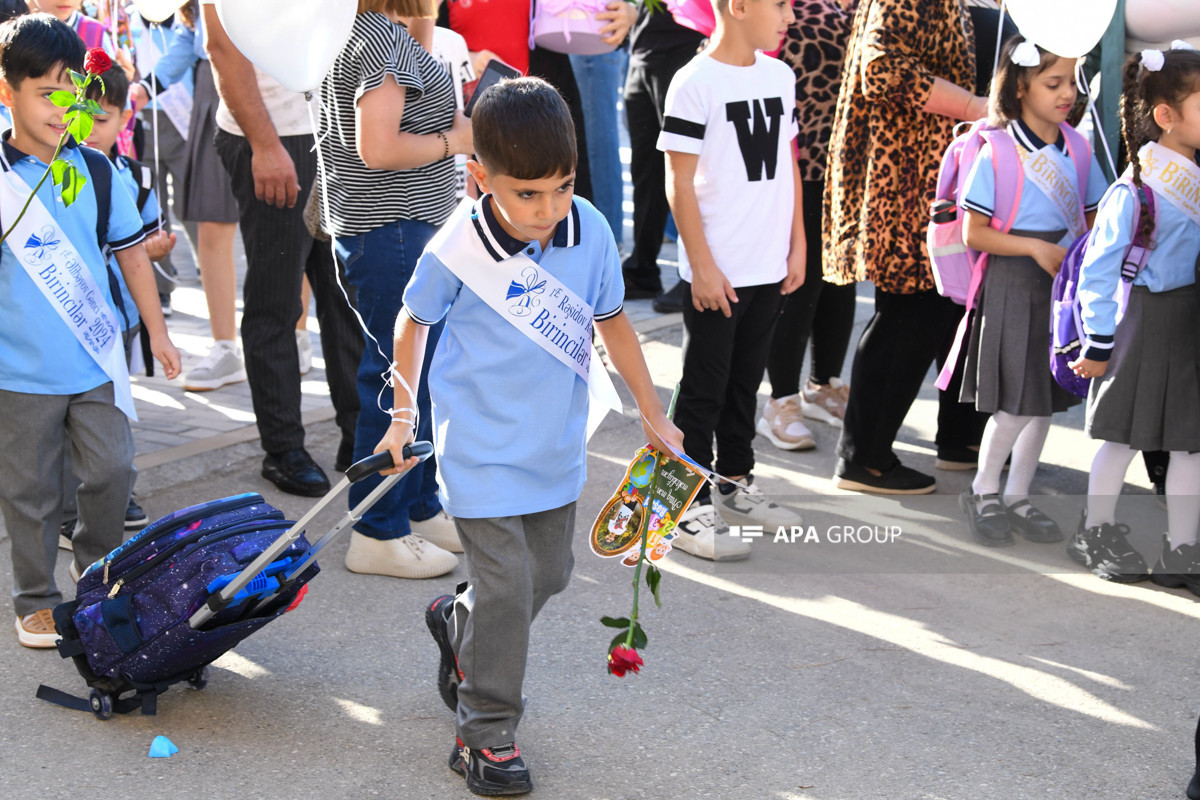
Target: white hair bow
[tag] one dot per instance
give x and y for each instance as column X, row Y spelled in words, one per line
column 1153, row 60
column 1026, row 55
column 1180, row 44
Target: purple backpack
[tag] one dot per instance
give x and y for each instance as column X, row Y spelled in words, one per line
column 1066, row 314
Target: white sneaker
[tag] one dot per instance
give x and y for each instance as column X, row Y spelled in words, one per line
column 750, row 506
column 703, row 534
column 439, row 530
column 222, row 366
column 407, row 557
column 825, row 403
column 304, row 347
column 782, row 423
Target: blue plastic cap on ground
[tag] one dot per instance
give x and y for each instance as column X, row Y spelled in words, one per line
column 162, row 747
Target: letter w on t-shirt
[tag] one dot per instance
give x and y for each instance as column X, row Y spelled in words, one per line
column 759, row 143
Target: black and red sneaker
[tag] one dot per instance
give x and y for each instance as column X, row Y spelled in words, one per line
column 449, row 676
column 491, row 771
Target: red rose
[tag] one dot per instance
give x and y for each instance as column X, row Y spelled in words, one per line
column 623, row 659
column 97, row 61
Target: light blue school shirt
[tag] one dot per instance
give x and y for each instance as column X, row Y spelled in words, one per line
column 510, row 419
column 38, row 352
column 181, row 48
column 1036, row 212
column 149, row 214
column 1172, row 261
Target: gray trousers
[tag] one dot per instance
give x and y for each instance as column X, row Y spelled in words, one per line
column 514, row 564
column 35, row 431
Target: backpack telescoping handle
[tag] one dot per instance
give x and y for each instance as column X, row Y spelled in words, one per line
column 360, row 470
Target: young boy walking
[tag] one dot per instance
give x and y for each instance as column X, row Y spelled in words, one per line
column 63, row 377
column 519, row 276
column 734, row 189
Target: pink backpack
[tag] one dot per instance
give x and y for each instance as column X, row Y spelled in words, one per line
column 958, row 270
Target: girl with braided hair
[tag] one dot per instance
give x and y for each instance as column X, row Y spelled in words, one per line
column 1146, row 363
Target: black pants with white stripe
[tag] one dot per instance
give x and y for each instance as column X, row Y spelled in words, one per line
column 279, row 250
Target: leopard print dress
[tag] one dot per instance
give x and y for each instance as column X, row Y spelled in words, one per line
column 884, row 151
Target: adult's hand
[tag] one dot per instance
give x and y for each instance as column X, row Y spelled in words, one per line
column 275, row 180
column 621, row 16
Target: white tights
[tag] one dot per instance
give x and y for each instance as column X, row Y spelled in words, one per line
column 1023, row 438
column 1183, row 490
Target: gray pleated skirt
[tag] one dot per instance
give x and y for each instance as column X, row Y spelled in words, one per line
column 207, row 192
column 1008, row 353
column 1149, row 397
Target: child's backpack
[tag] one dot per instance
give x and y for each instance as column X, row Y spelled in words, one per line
column 1066, row 320
column 958, row 271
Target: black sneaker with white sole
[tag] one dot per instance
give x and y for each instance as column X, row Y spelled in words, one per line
column 492, row 771
column 1105, row 550
column 449, row 676
column 135, row 517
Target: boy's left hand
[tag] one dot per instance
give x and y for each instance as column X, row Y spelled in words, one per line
column 794, row 279
column 661, row 432
column 164, row 350
column 159, row 245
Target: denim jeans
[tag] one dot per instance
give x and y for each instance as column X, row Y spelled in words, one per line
column 600, row 79
column 378, row 264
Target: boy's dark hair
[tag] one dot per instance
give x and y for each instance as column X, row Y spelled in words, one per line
column 522, row 128
column 1145, row 89
column 35, row 44
column 116, row 88
column 1003, row 104
column 9, row 9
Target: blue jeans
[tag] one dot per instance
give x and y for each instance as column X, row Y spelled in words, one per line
column 600, row 79
column 378, row 265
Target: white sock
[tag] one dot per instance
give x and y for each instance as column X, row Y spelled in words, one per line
column 1027, row 452
column 998, row 439
column 1183, row 498
column 1105, row 482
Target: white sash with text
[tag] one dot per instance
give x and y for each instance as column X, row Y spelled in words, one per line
column 1046, row 172
column 1172, row 177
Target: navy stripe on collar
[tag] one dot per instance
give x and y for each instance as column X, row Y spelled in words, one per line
column 12, row 155
column 1030, row 140
column 501, row 245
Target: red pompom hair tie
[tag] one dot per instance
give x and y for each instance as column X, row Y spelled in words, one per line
column 97, row 61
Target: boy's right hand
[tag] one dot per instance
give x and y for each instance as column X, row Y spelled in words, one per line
column 159, row 245
column 1049, row 256
column 711, row 290
column 165, row 351
column 398, row 434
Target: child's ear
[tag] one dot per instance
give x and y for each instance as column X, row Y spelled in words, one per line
column 1164, row 115
column 6, row 93
column 479, row 173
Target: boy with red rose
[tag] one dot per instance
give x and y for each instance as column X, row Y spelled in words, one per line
column 63, row 378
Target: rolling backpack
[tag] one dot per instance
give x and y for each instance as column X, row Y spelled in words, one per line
column 958, row 271
column 1066, row 312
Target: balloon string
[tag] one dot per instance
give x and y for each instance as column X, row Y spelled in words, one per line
column 1091, row 104
column 999, row 38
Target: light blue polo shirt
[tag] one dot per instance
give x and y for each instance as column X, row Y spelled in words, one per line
column 509, row 419
column 38, row 352
column 1036, row 211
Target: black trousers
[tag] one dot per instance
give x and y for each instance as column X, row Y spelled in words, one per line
column 820, row 310
column 645, row 98
column 279, row 250
column 907, row 333
column 723, row 361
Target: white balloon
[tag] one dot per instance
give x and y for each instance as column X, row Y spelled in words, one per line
column 157, row 10
column 293, row 41
column 1162, row 20
column 1067, row 28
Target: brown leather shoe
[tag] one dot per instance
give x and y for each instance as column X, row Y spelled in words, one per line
column 37, row 629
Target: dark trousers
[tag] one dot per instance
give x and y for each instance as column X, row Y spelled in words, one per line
column 723, row 361
column 645, row 98
column 907, row 332
column 279, row 250
column 820, row 310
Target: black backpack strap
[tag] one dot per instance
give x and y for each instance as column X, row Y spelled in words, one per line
column 101, row 172
column 61, row 698
column 144, row 178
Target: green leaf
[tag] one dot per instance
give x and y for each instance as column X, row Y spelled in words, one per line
column 653, row 576
column 58, row 170
column 77, row 78
column 73, row 183
column 79, row 125
column 611, row 622
column 639, row 637
column 94, row 108
column 619, row 639
column 62, row 98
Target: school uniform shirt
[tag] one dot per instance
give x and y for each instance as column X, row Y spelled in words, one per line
column 38, row 352
column 1171, row 265
column 740, row 121
column 509, row 419
column 363, row 199
column 1036, row 211
column 169, row 57
column 149, row 213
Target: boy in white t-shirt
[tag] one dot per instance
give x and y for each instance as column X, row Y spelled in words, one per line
column 734, row 189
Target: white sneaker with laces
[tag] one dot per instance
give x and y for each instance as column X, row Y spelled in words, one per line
column 440, row 530
column 702, row 533
column 825, row 403
column 304, row 348
column 407, row 557
column 782, row 423
column 222, row 366
column 750, row 506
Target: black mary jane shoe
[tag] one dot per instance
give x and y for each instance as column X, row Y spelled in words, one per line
column 989, row 524
column 1035, row 526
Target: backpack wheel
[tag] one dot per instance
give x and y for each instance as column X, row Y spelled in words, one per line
column 199, row 680
column 102, row 704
